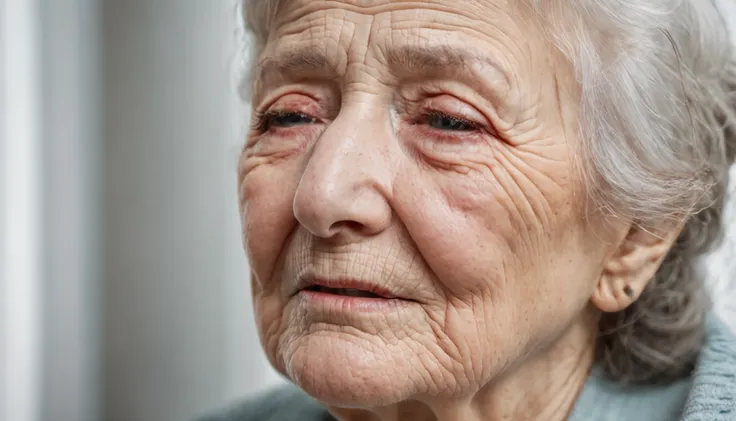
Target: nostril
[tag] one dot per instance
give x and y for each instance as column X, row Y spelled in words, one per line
column 347, row 225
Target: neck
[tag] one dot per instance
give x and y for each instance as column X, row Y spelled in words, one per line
column 545, row 386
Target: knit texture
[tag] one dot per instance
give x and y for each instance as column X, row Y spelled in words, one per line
column 713, row 396
column 708, row 395
column 605, row 400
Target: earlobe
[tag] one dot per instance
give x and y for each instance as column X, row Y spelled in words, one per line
column 628, row 270
column 606, row 297
column 613, row 293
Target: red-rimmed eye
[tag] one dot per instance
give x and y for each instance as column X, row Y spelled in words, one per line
column 284, row 120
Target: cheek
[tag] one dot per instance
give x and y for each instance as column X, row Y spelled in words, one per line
column 527, row 199
column 267, row 196
column 490, row 226
column 503, row 246
column 539, row 181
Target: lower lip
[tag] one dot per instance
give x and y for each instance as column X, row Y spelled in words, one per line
column 334, row 302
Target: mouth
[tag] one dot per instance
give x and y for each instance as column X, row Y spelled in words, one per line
column 348, row 297
column 350, row 288
column 346, row 292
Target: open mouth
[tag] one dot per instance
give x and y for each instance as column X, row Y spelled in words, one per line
column 347, row 292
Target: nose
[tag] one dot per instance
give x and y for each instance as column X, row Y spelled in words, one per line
column 344, row 189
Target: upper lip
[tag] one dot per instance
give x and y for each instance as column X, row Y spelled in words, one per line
column 306, row 282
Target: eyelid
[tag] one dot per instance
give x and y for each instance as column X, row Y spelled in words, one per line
column 296, row 101
column 435, row 113
column 454, row 107
column 261, row 122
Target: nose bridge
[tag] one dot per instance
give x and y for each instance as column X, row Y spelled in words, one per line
column 336, row 157
column 347, row 153
column 346, row 177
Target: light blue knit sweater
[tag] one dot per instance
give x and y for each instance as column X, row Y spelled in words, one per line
column 708, row 395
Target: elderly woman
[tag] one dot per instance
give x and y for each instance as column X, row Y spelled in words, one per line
column 488, row 210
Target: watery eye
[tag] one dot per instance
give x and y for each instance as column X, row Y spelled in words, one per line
column 445, row 122
column 287, row 119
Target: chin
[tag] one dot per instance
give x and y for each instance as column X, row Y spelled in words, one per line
column 350, row 372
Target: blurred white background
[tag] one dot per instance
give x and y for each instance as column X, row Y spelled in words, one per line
column 123, row 286
column 123, row 290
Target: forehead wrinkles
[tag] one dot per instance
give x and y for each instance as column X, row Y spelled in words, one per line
column 290, row 10
column 344, row 31
column 347, row 24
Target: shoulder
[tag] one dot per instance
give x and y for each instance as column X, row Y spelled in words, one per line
column 713, row 396
column 285, row 403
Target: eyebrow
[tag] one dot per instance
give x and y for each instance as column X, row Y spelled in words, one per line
column 422, row 59
column 406, row 60
column 304, row 61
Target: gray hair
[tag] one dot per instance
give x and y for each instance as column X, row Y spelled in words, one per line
column 657, row 81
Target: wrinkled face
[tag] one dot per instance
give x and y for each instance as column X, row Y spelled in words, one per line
column 413, row 218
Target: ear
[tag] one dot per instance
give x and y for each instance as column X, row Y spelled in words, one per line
column 633, row 263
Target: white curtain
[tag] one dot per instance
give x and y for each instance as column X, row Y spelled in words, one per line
column 48, row 226
column 20, row 333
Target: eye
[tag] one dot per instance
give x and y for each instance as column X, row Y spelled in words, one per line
column 284, row 119
column 445, row 122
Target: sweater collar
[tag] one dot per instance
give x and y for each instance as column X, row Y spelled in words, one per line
column 713, row 395
column 708, row 395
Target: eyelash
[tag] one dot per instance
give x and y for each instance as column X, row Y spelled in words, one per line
column 263, row 121
column 426, row 116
